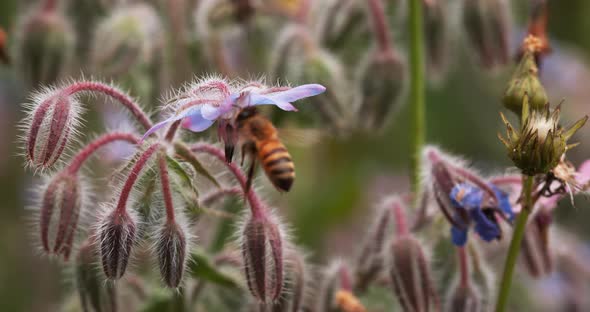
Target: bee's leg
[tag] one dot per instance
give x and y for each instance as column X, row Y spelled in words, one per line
column 251, row 174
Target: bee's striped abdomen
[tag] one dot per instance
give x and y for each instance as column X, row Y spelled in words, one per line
column 277, row 163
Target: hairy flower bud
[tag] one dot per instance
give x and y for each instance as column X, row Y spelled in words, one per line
column 51, row 122
column 93, row 292
column 262, row 250
column 541, row 142
column 171, row 249
column 463, row 298
column 116, row 235
column 382, row 84
column 60, row 209
column 295, row 283
column 525, row 82
column 535, row 245
column 45, row 46
column 487, row 23
column 410, row 275
column 130, row 36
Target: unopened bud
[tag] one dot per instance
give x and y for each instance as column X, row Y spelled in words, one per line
column 525, row 82
column 410, row 275
column 60, row 209
column 382, row 85
column 538, row 147
column 464, row 298
column 262, row 250
column 129, row 36
column 171, row 251
column 535, row 245
column 46, row 44
column 487, row 23
column 49, row 126
column 116, row 238
column 436, row 30
column 91, row 287
column 295, row 284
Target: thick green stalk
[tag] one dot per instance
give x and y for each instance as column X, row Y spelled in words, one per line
column 527, row 187
column 417, row 102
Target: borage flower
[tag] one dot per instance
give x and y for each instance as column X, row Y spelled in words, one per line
column 200, row 105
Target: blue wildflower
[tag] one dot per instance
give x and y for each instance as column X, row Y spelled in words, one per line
column 469, row 200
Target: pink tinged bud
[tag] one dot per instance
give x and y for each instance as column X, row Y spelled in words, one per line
column 50, row 126
column 464, row 299
column 60, row 209
column 171, row 250
column 410, row 275
column 263, row 259
column 535, row 246
column 117, row 235
column 292, row 299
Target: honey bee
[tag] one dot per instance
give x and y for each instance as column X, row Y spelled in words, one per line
column 259, row 139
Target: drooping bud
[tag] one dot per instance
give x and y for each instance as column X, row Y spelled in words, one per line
column 382, row 85
column 171, row 249
column 130, row 36
column 538, row 147
column 262, row 250
column 45, row 46
column 295, row 283
column 525, row 83
column 410, row 275
column 116, row 235
column 535, row 245
column 93, row 292
column 487, row 23
column 60, row 209
column 437, row 39
column 51, row 122
column 464, row 298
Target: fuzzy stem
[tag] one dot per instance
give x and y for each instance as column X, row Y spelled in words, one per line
column 527, row 189
column 116, row 94
column 93, row 146
column 133, row 175
column 463, row 267
column 417, row 101
column 345, row 278
column 256, row 206
column 208, row 199
column 380, row 27
column 401, row 224
column 172, row 131
column 165, row 180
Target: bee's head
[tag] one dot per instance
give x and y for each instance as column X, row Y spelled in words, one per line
column 246, row 113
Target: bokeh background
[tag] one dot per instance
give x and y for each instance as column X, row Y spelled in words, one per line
column 340, row 179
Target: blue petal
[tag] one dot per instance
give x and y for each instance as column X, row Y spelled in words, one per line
column 458, row 236
column 212, row 112
column 486, row 229
column 466, row 196
column 503, row 202
column 283, row 99
column 196, row 123
column 196, row 110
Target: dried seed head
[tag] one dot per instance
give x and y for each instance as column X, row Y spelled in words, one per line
column 464, row 298
column 60, row 209
column 525, row 82
column 541, row 142
column 116, row 234
column 262, row 250
column 382, row 86
column 172, row 249
column 535, row 246
column 488, row 27
column 410, row 275
column 130, row 36
column 51, row 123
column 45, row 46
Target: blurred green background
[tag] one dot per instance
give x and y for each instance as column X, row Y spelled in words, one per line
column 338, row 180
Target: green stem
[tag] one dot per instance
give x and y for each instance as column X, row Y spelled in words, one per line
column 417, row 102
column 527, row 189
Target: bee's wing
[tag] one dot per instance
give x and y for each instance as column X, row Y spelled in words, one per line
column 301, row 137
